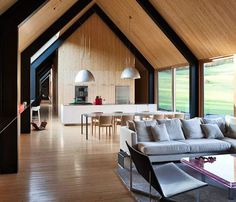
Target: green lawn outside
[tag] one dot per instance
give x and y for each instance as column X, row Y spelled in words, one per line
column 218, row 94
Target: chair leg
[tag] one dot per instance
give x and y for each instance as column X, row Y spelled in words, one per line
column 99, row 131
column 150, row 186
column 130, row 175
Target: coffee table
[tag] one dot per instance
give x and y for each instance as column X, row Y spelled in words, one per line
column 220, row 168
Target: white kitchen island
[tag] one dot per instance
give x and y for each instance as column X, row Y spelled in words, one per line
column 71, row 114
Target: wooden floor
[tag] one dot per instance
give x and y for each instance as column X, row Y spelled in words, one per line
column 58, row 164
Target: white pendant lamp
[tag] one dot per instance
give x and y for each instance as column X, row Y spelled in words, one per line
column 130, row 72
column 84, row 75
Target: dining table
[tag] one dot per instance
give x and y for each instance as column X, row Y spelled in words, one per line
column 135, row 114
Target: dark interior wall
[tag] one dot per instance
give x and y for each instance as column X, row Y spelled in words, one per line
column 141, row 85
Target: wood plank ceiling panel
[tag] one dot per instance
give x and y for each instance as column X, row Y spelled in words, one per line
column 69, row 24
column 207, row 27
column 5, row 4
column 41, row 20
column 144, row 34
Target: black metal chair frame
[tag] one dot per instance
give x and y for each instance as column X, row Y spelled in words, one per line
column 149, row 176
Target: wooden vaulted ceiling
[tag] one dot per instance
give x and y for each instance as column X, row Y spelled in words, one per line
column 5, row 4
column 41, row 20
column 147, row 37
column 207, row 27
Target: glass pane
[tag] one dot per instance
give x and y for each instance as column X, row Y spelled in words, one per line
column 182, row 89
column 165, row 89
column 219, row 87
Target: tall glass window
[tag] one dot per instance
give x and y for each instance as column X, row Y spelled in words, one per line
column 219, row 87
column 165, row 90
column 182, row 89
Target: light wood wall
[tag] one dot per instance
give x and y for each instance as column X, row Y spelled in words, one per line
column 105, row 59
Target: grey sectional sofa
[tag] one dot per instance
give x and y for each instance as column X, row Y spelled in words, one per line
column 194, row 137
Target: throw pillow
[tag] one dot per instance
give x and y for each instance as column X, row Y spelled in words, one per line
column 212, row 131
column 131, row 125
column 173, row 127
column 159, row 133
column 143, row 130
column 231, row 126
column 219, row 121
column 192, row 128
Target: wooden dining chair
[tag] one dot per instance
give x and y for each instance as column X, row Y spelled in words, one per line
column 169, row 116
column 158, row 116
column 146, row 116
column 180, row 115
column 105, row 122
column 117, row 119
column 95, row 120
column 123, row 121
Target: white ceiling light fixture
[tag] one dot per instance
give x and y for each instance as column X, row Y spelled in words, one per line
column 84, row 75
column 130, row 72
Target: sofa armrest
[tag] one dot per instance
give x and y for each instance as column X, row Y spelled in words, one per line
column 129, row 136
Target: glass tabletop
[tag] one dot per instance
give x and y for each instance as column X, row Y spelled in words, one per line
column 221, row 168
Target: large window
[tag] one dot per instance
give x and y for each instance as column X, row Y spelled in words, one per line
column 173, row 90
column 219, row 87
column 165, row 90
column 182, row 89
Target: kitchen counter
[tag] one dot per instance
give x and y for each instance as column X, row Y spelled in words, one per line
column 71, row 114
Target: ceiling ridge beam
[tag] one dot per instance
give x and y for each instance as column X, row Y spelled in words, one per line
column 168, row 31
column 194, row 96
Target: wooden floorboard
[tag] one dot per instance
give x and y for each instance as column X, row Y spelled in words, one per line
column 58, row 164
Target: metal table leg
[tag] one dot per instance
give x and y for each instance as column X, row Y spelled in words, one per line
column 86, row 127
column 82, row 124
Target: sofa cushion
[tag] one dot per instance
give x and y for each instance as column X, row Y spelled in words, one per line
column 232, row 141
column 143, row 129
column 173, row 127
column 212, row 131
column 219, row 121
column 192, row 128
column 206, row 145
column 159, row 133
column 164, row 147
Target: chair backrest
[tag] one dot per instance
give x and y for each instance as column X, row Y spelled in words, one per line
column 144, row 167
column 126, row 118
column 105, row 120
column 169, row 116
column 180, row 116
column 158, row 116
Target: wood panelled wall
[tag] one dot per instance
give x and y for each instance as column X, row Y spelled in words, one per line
column 105, row 58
